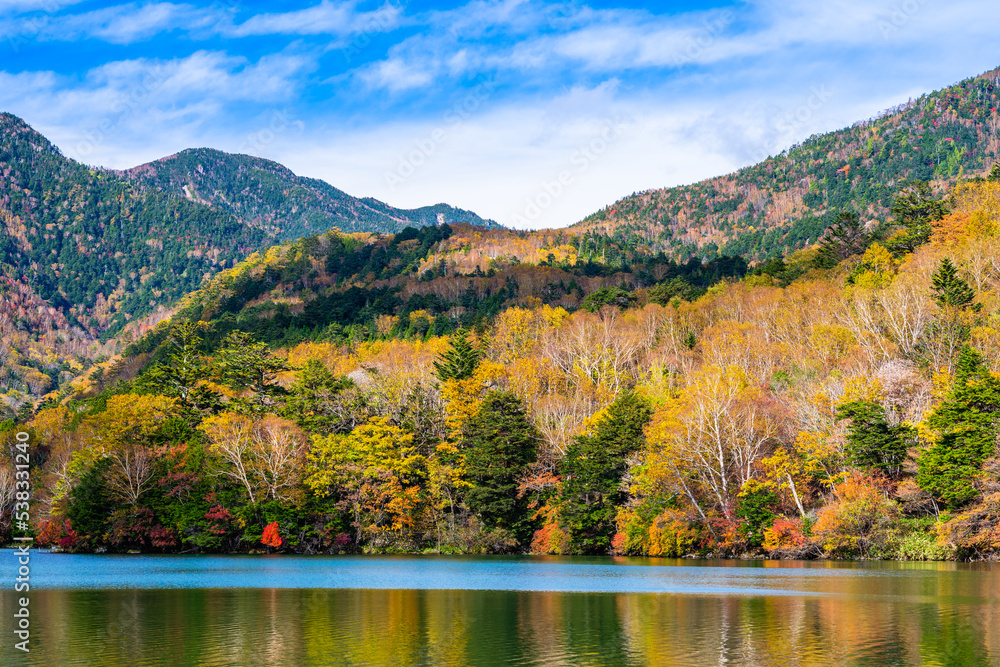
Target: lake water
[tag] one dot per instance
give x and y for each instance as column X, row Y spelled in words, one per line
column 442, row 611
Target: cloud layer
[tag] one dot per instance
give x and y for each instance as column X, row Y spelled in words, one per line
column 532, row 113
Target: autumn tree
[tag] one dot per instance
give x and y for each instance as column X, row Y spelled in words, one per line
column 500, row 443
column 264, row 455
column 375, row 473
column 592, row 474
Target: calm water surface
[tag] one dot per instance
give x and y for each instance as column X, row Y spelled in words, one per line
column 435, row 610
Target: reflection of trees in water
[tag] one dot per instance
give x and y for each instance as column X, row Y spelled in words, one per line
column 931, row 615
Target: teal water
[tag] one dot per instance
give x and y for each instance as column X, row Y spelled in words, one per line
column 432, row 610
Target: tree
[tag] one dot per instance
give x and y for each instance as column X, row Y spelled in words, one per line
column 872, row 443
column 845, row 237
column 608, row 296
column 592, row 473
column 861, row 522
column 950, row 290
column 500, row 444
column 459, row 361
column 967, row 426
column 245, row 364
column 374, row 473
column 263, row 455
column 185, row 369
column 130, row 473
column 313, row 400
column 915, row 209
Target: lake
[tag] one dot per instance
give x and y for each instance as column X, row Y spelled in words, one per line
column 397, row 611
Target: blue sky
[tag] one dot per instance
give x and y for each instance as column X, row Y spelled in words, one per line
column 532, row 113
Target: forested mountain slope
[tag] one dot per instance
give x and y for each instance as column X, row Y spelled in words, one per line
column 268, row 195
column 86, row 253
column 786, row 201
column 842, row 402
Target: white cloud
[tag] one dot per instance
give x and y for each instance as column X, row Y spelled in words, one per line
column 694, row 95
column 327, row 18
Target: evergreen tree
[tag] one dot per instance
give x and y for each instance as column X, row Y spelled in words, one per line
column 459, row 362
column 915, row 209
column 592, row 472
column 312, row 398
column 872, row 443
column 967, row 424
column 244, row 363
column 500, row 443
column 185, row 368
column 842, row 239
column 950, row 289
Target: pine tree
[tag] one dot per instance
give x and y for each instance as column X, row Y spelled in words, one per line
column 592, row 472
column 459, row 362
column 872, row 443
column 500, row 443
column 967, row 424
column 312, row 398
column 950, row 289
column 915, row 209
column 842, row 239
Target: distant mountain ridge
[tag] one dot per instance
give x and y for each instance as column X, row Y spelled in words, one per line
column 269, row 196
column 786, row 201
column 86, row 253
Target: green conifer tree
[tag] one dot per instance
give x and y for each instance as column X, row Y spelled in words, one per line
column 872, row 443
column 459, row 361
column 915, row 209
column 950, row 289
column 592, row 472
column 500, row 443
column 967, row 427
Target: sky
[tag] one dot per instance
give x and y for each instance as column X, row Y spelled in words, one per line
column 532, row 113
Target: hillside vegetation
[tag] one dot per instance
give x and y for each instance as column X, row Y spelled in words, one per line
column 843, row 401
column 269, row 196
column 785, row 202
column 88, row 256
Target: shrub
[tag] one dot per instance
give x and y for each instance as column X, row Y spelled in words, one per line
column 784, row 535
column 671, row 535
column 863, row 522
column 976, row 532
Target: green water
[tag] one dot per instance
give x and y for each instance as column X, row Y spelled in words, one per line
column 207, row 610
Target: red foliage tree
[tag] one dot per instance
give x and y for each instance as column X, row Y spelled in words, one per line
column 271, row 536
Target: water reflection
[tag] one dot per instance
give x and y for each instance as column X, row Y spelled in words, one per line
column 931, row 614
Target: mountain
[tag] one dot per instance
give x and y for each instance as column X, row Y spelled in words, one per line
column 269, row 196
column 87, row 253
column 786, row 201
